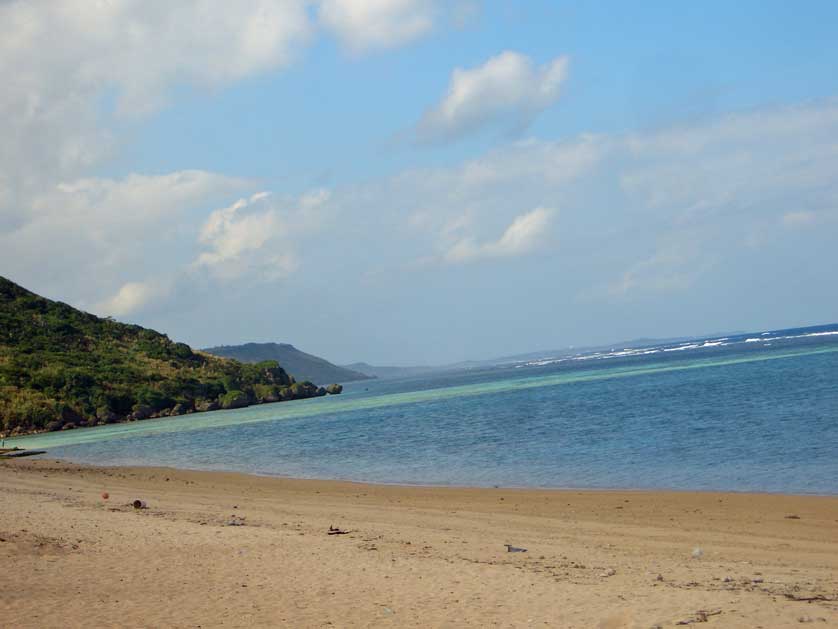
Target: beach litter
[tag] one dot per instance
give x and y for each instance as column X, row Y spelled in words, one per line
column 236, row 520
column 514, row 549
column 700, row 616
column 105, row 495
column 697, row 553
column 333, row 530
column 139, row 504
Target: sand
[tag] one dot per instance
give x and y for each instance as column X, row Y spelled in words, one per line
column 227, row 550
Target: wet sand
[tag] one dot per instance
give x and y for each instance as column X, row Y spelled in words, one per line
column 229, row 550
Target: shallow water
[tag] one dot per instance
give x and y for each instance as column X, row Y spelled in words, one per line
column 748, row 413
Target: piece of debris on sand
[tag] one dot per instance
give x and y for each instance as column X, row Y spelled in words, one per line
column 333, row 530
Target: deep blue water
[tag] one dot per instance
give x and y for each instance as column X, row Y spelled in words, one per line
column 755, row 412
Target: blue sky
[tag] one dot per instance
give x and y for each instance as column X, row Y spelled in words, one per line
column 411, row 181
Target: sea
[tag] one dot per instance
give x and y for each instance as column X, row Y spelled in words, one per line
column 755, row 412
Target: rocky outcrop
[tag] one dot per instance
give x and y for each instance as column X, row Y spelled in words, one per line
column 206, row 405
column 182, row 408
column 300, row 390
column 235, row 399
column 70, row 416
column 334, row 389
column 105, row 415
column 140, row 411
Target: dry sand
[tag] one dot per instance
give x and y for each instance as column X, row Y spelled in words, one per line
column 413, row 556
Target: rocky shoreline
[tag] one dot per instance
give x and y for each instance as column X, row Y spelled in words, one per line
column 71, row 419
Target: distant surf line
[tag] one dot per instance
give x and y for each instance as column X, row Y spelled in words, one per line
column 333, row 405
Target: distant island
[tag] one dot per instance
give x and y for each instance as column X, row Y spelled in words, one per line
column 62, row 368
column 304, row 366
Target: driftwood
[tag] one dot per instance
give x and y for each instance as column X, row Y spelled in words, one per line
column 700, row 616
column 333, row 530
column 808, row 599
column 15, row 453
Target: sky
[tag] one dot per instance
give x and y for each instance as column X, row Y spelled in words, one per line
column 422, row 181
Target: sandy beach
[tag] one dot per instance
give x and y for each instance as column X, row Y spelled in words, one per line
column 217, row 549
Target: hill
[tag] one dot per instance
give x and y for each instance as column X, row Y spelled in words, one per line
column 63, row 368
column 299, row 364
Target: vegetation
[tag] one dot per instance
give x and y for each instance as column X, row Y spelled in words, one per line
column 301, row 365
column 63, row 368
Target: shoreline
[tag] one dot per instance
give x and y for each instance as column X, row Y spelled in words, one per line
column 237, row 549
column 664, row 490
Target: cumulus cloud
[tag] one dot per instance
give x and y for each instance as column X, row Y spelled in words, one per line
column 60, row 59
column 256, row 236
column 82, row 237
column 507, row 89
column 368, row 24
column 141, row 47
column 132, row 297
column 524, row 235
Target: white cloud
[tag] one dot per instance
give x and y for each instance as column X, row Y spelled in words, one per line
column 672, row 268
column 507, row 88
column 524, row 235
column 257, row 236
column 795, row 219
column 132, row 297
column 141, row 47
column 234, row 233
column 88, row 236
column 62, row 62
column 368, row 24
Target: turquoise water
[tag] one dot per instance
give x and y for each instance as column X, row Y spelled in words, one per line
column 748, row 413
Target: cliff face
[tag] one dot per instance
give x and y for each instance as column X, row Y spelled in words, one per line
column 63, row 368
column 299, row 364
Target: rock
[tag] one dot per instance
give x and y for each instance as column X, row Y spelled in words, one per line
column 235, row 399
column 276, row 374
column 320, row 392
column 206, row 405
column 54, row 425
column 106, row 415
column 70, row 415
column 334, row 389
column 68, row 426
column 609, row 573
column 181, row 408
column 301, row 390
column 141, row 411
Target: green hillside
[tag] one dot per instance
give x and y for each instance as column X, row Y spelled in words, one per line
column 299, row 364
column 62, row 368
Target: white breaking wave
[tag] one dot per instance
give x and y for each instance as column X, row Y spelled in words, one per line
column 686, row 345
